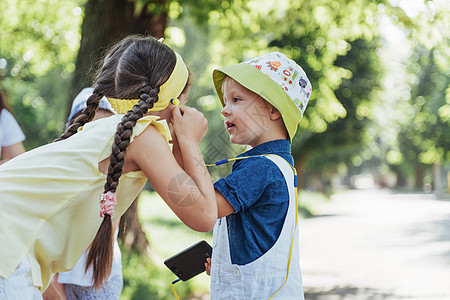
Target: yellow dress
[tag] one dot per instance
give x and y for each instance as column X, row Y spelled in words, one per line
column 49, row 199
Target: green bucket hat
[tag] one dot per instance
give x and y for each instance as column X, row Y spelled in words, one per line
column 277, row 79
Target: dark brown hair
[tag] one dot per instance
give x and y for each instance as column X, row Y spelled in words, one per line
column 134, row 69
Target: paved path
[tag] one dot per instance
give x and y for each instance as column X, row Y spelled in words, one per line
column 377, row 244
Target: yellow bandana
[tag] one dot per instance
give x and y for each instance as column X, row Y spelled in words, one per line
column 171, row 89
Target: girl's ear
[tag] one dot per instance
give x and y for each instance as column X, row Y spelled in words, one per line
column 274, row 114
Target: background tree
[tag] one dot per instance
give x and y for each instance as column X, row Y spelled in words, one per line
column 318, row 36
column 106, row 22
column 411, row 111
column 425, row 141
column 339, row 150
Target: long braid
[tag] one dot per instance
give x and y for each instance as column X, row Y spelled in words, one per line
column 102, row 264
column 87, row 114
column 148, row 97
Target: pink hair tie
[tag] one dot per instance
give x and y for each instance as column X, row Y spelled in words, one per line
column 107, row 202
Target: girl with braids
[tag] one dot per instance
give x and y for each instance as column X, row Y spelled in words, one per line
column 49, row 196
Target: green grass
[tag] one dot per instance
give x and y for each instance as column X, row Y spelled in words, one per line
column 143, row 279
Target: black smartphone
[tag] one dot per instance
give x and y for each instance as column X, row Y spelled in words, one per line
column 191, row 261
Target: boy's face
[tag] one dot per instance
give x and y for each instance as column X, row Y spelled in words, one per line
column 247, row 115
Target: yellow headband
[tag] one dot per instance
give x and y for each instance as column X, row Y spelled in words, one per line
column 171, row 89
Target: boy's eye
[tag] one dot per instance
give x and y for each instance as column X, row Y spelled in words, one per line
column 235, row 99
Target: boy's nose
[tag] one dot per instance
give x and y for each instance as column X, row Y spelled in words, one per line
column 225, row 110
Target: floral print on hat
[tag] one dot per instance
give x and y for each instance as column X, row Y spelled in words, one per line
column 287, row 74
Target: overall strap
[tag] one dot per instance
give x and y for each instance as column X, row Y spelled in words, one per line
column 278, row 160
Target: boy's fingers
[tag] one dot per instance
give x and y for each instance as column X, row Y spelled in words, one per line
column 208, row 266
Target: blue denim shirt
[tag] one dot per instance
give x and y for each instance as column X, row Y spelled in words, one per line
column 257, row 191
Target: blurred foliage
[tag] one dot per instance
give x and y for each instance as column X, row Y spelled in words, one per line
column 410, row 113
column 342, row 146
column 340, row 45
column 426, row 136
column 340, row 133
column 39, row 43
column 379, row 71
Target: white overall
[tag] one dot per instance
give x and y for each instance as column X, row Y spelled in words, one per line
column 261, row 278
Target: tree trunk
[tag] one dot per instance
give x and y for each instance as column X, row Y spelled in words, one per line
column 131, row 232
column 437, row 178
column 419, row 178
column 401, row 179
column 106, row 22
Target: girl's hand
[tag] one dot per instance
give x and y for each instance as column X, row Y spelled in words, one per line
column 172, row 133
column 208, row 266
column 176, row 150
column 189, row 123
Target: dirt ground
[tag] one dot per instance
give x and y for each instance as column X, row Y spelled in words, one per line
column 377, row 244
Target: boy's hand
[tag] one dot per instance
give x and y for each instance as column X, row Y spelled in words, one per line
column 208, row 266
column 189, row 123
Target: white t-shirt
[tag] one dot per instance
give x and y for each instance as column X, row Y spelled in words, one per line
column 10, row 132
column 77, row 275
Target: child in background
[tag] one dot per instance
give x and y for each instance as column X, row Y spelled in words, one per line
column 50, row 196
column 11, row 136
column 255, row 241
column 79, row 103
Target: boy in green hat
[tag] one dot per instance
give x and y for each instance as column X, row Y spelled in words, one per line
column 255, row 241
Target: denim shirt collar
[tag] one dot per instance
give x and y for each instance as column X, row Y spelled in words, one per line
column 276, row 146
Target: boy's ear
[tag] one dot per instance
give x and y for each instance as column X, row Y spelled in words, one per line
column 274, row 114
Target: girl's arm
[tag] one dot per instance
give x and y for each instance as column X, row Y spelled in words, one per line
column 189, row 192
column 224, row 208
column 12, row 151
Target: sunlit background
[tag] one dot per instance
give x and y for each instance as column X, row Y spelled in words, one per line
column 379, row 113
